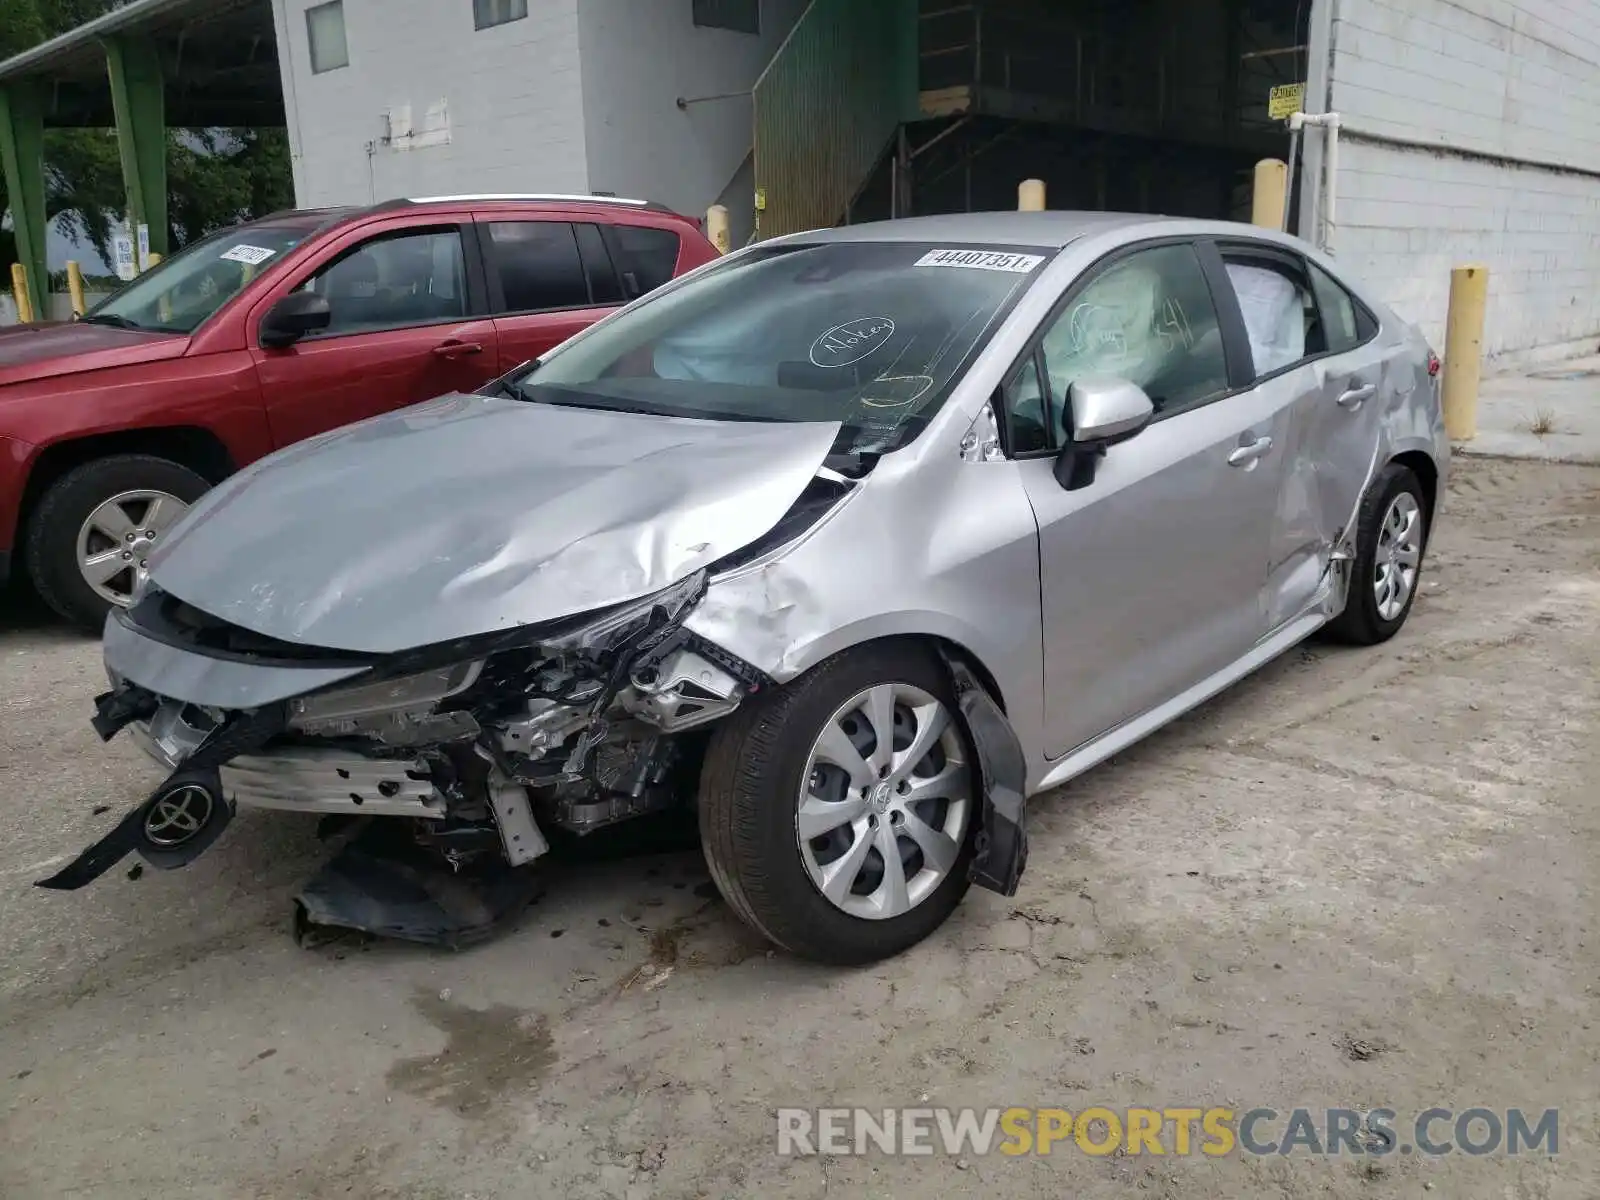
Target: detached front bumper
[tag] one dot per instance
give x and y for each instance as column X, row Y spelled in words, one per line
column 305, row 779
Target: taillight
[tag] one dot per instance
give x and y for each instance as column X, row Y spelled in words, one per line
column 1433, row 363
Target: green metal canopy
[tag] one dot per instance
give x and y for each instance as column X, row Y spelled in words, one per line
column 141, row 67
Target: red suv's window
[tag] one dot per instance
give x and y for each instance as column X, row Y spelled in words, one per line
column 647, row 256
column 539, row 265
column 604, row 287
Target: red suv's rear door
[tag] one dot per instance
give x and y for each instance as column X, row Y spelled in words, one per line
column 409, row 323
column 548, row 276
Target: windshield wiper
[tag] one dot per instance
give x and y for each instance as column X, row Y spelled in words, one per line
column 111, row 319
column 502, row 387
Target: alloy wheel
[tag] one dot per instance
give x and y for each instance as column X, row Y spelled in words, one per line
column 885, row 801
column 1399, row 556
column 116, row 539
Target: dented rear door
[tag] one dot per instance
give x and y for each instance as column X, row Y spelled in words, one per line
column 1316, row 354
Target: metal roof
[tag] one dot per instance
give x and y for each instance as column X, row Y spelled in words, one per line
column 219, row 58
column 1011, row 228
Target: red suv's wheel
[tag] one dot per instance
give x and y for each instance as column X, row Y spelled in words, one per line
column 94, row 528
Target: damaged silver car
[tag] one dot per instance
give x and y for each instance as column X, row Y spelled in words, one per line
column 848, row 542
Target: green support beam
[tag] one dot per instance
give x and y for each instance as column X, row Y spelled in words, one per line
column 138, row 97
column 22, row 155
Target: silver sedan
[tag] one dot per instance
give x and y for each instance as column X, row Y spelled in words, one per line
column 849, row 542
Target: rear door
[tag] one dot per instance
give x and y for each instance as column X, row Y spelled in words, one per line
column 409, row 322
column 1313, row 352
column 548, row 278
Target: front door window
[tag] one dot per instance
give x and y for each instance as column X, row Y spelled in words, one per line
column 390, row 283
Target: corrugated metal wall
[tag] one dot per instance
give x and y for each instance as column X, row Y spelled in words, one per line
column 826, row 108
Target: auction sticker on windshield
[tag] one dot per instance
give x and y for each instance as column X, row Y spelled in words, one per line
column 981, row 260
column 251, row 256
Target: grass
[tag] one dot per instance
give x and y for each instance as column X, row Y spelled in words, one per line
column 1543, row 422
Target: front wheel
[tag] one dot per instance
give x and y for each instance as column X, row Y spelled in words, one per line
column 1391, row 535
column 837, row 813
column 93, row 531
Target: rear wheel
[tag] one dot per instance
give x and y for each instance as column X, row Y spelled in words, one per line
column 837, row 813
column 92, row 533
column 1391, row 536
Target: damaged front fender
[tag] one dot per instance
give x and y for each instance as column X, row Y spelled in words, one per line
column 1002, row 850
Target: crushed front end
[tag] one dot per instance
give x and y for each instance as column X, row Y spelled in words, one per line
column 477, row 748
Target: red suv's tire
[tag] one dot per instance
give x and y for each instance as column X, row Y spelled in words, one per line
column 59, row 522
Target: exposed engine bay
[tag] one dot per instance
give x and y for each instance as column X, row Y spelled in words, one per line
column 575, row 726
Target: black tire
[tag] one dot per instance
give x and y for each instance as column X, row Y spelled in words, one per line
column 748, row 785
column 52, row 535
column 1359, row 624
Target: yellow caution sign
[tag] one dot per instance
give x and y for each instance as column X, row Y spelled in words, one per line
column 1286, row 100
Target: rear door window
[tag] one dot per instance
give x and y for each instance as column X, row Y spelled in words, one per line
column 598, row 269
column 537, row 265
column 646, row 256
column 1281, row 316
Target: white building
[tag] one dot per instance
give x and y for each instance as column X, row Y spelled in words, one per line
column 1470, row 128
column 391, row 98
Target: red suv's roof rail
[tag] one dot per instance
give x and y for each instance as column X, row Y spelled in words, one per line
column 528, row 198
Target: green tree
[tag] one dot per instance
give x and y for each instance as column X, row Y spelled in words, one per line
column 215, row 177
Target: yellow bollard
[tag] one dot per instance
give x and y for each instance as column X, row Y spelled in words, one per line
column 1030, row 195
column 19, row 292
column 1272, row 181
column 717, row 228
column 151, row 260
column 1463, row 350
column 75, row 287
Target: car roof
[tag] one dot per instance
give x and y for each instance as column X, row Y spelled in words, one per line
column 323, row 218
column 1050, row 228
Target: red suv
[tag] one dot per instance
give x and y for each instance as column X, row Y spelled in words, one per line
column 270, row 332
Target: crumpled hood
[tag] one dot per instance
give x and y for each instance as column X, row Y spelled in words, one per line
column 469, row 514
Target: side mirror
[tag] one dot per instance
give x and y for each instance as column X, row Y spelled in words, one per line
column 293, row 317
column 1104, row 412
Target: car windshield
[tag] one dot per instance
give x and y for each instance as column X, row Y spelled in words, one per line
column 176, row 295
column 873, row 335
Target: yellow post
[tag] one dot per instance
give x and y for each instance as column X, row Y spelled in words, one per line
column 717, row 228
column 151, row 260
column 1463, row 350
column 1030, row 195
column 75, row 287
column 1272, row 181
column 19, row 291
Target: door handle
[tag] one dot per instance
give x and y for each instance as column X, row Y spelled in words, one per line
column 457, row 349
column 1353, row 398
column 1248, row 453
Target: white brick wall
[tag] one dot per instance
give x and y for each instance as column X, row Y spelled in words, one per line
column 638, row 59
column 1513, row 79
column 513, row 93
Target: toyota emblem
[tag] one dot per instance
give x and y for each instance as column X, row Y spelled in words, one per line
column 178, row 815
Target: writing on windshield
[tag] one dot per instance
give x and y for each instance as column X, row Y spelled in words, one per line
column 873, row 335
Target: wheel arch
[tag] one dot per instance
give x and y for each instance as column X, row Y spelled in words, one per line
column 191, row 446
column 935, row 630
column 1426, row 470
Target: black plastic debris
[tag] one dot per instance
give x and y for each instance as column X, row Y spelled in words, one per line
column 381, row 885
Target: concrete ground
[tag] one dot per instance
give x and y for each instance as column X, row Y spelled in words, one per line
column 1552, row 414
column 1361, row 878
